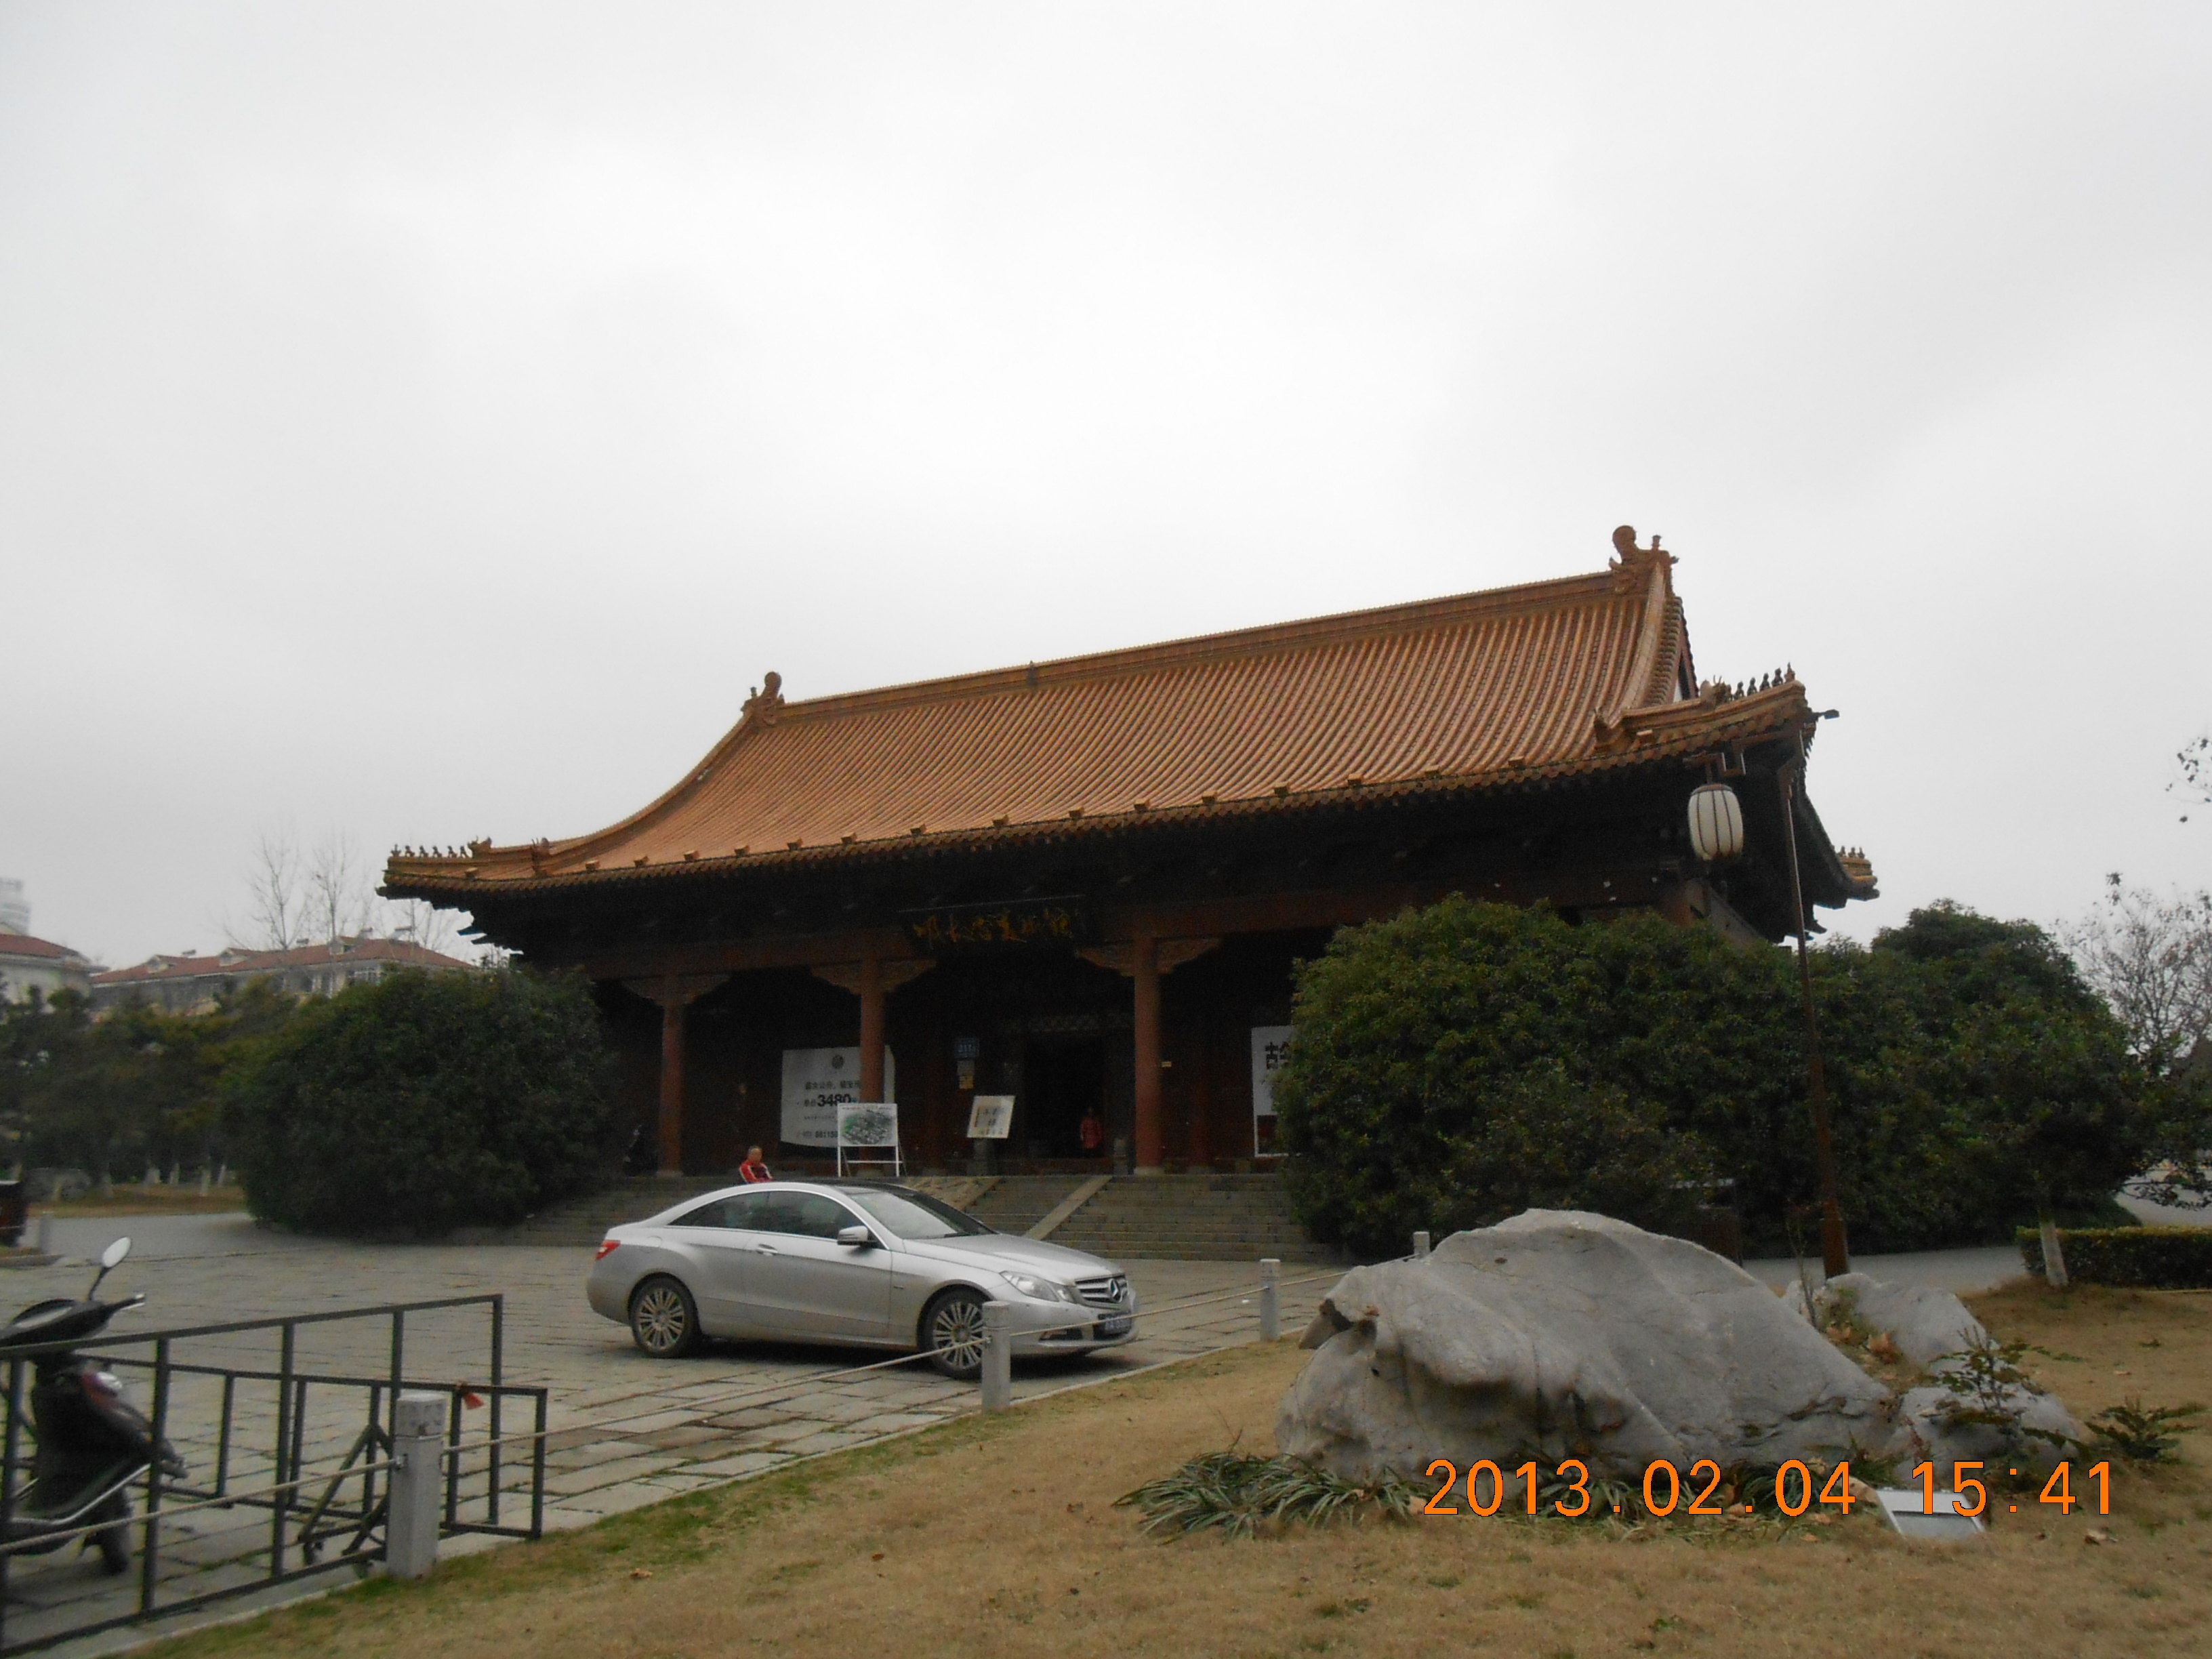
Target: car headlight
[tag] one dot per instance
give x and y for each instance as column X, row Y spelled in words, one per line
column 1039, row 1290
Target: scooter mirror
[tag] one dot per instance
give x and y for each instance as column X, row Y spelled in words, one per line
column 112, row 1257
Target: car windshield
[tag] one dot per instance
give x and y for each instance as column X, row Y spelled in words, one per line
column 914, row 1215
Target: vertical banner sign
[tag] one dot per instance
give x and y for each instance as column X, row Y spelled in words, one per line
column 1270, row 1043
column 816, row 1081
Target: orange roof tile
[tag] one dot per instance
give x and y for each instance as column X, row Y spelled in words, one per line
column 1513, row 684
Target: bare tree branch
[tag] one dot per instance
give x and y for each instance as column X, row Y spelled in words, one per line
column 274, row 894
column 2194, row 782
column 342, row 901
column 2151, row 959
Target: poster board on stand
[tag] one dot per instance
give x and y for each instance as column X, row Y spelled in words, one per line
column 816, row 1082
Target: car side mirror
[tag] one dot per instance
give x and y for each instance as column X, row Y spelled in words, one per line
column 856, row 1235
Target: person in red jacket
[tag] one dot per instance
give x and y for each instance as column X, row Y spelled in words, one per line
column 752, row 1169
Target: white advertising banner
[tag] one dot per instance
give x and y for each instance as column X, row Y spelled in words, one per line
column 1270, row 1043
column 816, row 1081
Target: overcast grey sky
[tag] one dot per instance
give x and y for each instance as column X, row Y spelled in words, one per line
column 428, row 420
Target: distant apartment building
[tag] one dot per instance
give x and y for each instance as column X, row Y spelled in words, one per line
column 40, row 965
column 29, row 965
column 190, row 983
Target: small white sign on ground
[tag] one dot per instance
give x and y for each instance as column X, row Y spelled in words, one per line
column 1906, row 1510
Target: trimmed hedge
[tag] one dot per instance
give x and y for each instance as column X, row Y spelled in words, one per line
column 2157, row 1258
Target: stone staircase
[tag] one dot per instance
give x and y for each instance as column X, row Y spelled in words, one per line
column 1014, row 1204
column 585, row 1220
column 1185, row 1217
column 1192, row 1217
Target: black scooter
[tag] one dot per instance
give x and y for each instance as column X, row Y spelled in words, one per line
column 92, row 1442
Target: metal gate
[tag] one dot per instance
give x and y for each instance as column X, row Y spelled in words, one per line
column 289, row 1463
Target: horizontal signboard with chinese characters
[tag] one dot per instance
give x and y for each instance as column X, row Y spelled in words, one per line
column 1013, row 924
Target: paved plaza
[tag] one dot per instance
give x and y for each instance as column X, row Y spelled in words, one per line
column 623, row 1430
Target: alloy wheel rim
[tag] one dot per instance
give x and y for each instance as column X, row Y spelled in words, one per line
column 660, row 1319
column 960, row 1333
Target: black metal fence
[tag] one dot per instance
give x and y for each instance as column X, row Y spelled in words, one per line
column 309, row 1446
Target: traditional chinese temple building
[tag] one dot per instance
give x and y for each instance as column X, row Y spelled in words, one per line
column 1083, row 884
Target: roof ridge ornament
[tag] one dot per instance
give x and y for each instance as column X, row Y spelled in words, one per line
column 1632, row 565
column 767, row 700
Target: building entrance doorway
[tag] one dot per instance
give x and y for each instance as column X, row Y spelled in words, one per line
column 1065, row 1079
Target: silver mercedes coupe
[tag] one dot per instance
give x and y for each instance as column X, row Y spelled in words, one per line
column 849, row 1261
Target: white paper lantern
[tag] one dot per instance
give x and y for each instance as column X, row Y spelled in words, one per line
column 1716, row 822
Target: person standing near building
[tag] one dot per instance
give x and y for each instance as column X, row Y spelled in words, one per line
column 1092, row 1131
column 753, row 1168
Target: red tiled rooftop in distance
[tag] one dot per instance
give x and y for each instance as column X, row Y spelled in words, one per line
column 24, row 946
column 233, row 964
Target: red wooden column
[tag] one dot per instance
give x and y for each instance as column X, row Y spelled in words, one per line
column 672, row 1083
column 675, row 993
column 1145, row 967
column 872, row 1027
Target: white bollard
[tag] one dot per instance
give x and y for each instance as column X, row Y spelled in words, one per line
column 1420, row 1246
column 998, row 1361
column 418, row 1486
column 1271, row 1299
column 46, row 1235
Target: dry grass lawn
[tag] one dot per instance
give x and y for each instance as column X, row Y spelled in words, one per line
column 1000, row 1537
column 135, row 1199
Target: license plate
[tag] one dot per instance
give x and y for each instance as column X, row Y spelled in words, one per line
column 1115, row 1326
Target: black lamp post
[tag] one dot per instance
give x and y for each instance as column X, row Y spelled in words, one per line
column 1835, row 1242
column 1716, row 834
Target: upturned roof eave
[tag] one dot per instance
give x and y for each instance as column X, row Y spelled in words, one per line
column 1748, row 720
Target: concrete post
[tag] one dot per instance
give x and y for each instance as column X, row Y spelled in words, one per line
column 46, row 1235
column 1270, row 1299
column 1421, row 1246
column 997, row 1362
column 410, row 1526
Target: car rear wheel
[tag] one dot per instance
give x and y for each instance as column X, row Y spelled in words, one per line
column 663, row 1321
column 952, row 1334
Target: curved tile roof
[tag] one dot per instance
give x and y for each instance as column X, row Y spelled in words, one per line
column 1532, row 681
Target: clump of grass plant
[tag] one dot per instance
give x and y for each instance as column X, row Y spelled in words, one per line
column 1240, row 1495
column 2144, row 1435
column 1988, row 1389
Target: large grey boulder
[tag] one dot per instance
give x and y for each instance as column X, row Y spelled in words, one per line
column 1928, row 1428
column 1925, row 1323
column 1560, row 1334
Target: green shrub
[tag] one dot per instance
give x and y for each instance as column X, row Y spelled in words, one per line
column 426, row 1102
column 2158, row 1258
column 1454, row 1064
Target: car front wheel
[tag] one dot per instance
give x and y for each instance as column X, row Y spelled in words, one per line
column 952, row 1334
column 663, row 1321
